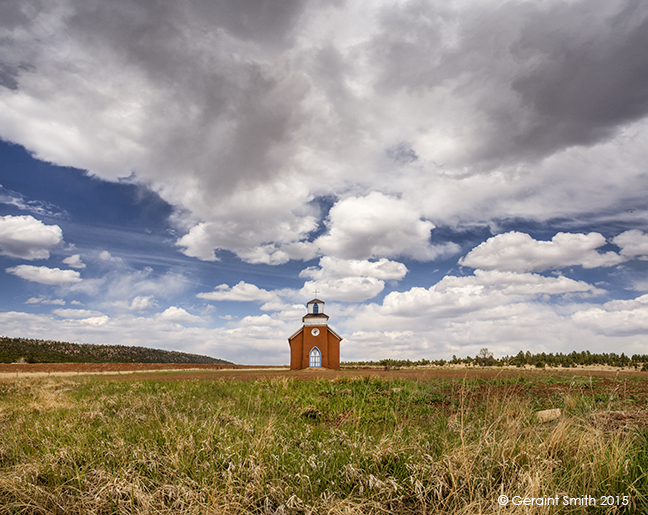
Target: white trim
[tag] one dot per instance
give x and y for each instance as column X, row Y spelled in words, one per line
column 328, row 327
column 295, row 333
column 334, row 333
column 318, row 357
column 315, row 321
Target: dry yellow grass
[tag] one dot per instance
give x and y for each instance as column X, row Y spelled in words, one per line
column 80, row 446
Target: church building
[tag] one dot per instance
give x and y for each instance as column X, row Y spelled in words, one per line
column 315, row 345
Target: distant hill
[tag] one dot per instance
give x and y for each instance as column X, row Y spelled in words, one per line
column 38, row 351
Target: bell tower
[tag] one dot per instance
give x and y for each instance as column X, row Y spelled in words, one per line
column 315, row 345
column 315, row 313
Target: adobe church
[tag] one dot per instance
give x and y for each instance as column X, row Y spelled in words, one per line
column 315, row 345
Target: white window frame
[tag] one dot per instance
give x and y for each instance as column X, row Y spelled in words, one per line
column 315, row 358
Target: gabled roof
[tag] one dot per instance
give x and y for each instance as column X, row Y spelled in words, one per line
column 328, row 328
column 334, row 333
column 313, row 301
column 295, row 333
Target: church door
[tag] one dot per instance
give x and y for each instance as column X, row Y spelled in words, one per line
column 315, row 358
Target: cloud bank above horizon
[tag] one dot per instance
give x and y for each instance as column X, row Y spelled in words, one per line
column 452, row 174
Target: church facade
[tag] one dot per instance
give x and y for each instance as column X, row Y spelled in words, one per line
column 315, row 345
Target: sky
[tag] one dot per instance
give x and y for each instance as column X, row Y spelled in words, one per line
column 445, row 175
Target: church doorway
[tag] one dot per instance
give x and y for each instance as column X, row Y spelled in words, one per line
column 315, row 358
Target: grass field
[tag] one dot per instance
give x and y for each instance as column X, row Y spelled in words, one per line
column 335, row 443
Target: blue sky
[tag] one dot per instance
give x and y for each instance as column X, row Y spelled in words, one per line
column 448, row 175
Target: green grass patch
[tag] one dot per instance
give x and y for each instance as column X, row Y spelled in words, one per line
column 346, row 445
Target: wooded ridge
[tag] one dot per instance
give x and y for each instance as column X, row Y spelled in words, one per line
column 16, row 350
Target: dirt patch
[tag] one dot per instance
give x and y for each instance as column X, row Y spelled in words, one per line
column 619, row 421
column 167, row 371
column 15, row 370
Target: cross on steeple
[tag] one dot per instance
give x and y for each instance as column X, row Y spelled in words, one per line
column 316, row 292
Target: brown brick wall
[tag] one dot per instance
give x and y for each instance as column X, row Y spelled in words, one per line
column 296, row 351
column 303, row 343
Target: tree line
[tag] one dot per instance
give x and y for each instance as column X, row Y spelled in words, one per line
column 521, row 359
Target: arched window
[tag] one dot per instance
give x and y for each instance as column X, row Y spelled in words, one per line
column 315, row 309
column 315, row 358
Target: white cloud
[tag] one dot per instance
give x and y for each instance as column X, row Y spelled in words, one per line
column 124, row 284
column 95, row 321
column 243, row 292
column 198, row 244
column 77, row 313
column 402, row 115
column 348, row 289
column 43, row 300
column 351, row 280
column 514, row 322
column 262, row 321
column 504, row 311
column 142, row 303
column 617, row 318
column 378, row 226
column 519, row 252
column 44, row 275
column 179, row 315
column 74, row 261
column 27, row 238
column 330, row 267
column 36, row 207
column 449, row 113
column 486, row 295
column 104, row 255
column 634, row 244
column 254, row 223
column 283, row 311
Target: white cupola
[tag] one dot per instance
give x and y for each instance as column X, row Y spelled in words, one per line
column 315, row 307
column 315, row 313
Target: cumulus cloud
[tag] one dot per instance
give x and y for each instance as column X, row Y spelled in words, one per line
column 142, row 303
column 26, row 237
column 77, row 313
column 106, row 256
column 456, row 111
column 634, row 244
column 349, row 131
column 376, row 226
column 45, row 275
column 330, row 267
column 179, row 315
column 617, row 318
column 351, row 280
column 485, row 295
column 74, row 261
column 242, row 292
column 347, row 289
column 518, row 252
column 254, row 223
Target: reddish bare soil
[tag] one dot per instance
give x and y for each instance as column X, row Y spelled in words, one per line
column 103, row 368
column 255, row 372
column 545, row 388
